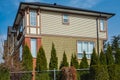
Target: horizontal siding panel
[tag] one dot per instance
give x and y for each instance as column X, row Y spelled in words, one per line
column 51, row 23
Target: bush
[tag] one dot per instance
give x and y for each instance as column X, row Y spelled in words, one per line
column 114, row 72
column 4, row 73
column 99, row 72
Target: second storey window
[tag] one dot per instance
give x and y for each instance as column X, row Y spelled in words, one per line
column 84, row 46
column 33, row 16
column 102, row 26
column 65, row 18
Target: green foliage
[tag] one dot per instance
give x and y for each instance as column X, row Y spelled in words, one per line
column 53, row 61
column 84, row 63
column 4, row 73
column 27, row 62
column 94, row 58
column 115, row 42
column 64, row 61
column 99, row 72
column 117, row 57
column 41, row 64
column 109, row 56
column 102, row 58
column 74, row 61
column 114, row 72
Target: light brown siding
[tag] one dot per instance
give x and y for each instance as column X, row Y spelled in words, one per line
column 67, row 44
column 80, row 26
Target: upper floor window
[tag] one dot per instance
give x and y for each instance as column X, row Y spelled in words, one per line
column 84, row 46
column 102, row 25
column 65, row 18
column 33, row 16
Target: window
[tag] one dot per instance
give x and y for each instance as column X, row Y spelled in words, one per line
column 33, row 48
column 33, row 16
column 84, row 46
column 65, row 18
column 102, row 27
column 20, row 54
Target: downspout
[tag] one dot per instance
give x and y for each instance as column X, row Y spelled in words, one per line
column 97, row 25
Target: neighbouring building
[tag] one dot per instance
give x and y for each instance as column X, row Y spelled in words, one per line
column 72, row 30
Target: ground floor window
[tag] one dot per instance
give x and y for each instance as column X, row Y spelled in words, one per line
column 33, row 48
column 84, row 46
column 21, row 51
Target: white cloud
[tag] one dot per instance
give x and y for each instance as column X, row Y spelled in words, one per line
column 84, row 3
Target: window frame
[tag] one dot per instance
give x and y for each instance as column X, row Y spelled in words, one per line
column 32, row 20
column 103, row 25
column 34, row 56
column 88, row 53
column 63, row 20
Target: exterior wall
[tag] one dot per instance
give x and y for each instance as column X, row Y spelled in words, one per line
column 63, row 43
column 79, row 25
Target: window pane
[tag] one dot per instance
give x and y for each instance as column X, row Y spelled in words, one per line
column 91, row 46
column 33, row 47
column 20, row 55
column 102, row 25
column 79, row 47
column 33, row 15
column 65, row 18
column 86, row 46
column 80, row 55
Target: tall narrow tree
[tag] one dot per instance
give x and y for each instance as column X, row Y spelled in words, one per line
column 27, row 62
column 64, row 61
column 109, row 55
column 94, row 58
column 117, row 56
column 74, row 61
column 102, row 58
column 84, row 63
column 53, row 61
column 41, row 64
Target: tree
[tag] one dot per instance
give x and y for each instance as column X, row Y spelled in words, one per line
column 41, row 64
column 117, row 57
column 53, row 61
column 102, row 58
column 27, row 63
column 109, row 56
column 115, row 42
column 94, row 58
column 84, row 64
column 4, row 73
column 74, row 61
column 99, row 72
column 64, row 61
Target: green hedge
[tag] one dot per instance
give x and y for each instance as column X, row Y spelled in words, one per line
column 99, row 72
column 4, row 73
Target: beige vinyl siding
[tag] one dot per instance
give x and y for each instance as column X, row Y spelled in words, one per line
column 67, row 44
column 79, row 26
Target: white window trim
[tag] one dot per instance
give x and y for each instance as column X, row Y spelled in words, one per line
column 64, row 17
column 88, row 54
